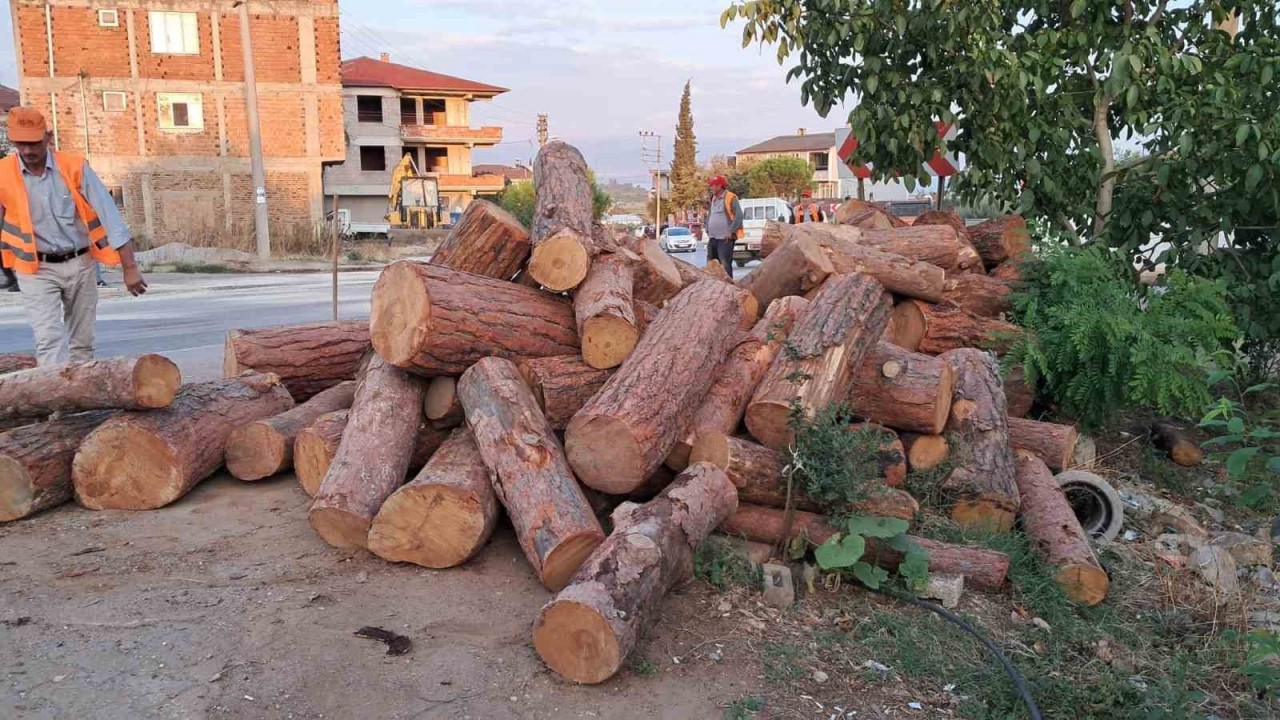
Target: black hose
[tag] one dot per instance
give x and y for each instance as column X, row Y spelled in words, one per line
column 1019, row 682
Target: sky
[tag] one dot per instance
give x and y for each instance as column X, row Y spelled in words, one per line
column 602, row 71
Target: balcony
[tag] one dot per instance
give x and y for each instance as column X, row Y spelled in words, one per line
column 451, row 134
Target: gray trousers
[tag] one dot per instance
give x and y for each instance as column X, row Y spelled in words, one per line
column 721, row 250
column 62, row 306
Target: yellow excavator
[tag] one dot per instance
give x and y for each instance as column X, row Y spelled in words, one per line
column 413, row 202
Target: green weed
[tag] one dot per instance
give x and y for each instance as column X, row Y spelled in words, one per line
column 719, row 562
column 643, row 667
column 744, row 708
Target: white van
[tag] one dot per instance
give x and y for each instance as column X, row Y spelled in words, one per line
column 755, row 213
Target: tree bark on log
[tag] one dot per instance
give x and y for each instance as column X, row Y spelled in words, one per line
column 587, row 631
column 1054, row 444
column 563, row 216
column 898, row 274
column 1009, row 271
column 373, row 458
column 306, row 358
column 35, row 463
column 984, row 488
column 440, row 404
column 442, row 517
column 738, row 376
column 1018, row 393
column 863, row 214
column 606, row 317
column 1000, row 239
column 816, row 368
column 143, row 460
column 935, row 329
column 129, row 383
column 531, row 476
column 317, row 445
column 433, row 321
column 982, row 569
column 626, row 430
column 13, row 362
column 903, row 389
column 933, row 244
column 658, row 276
column 796, row 268
column 562, row 385
column 980, row 295
column 925, row 452
column 265, row 447
column 968, row 259
column 486, row 240
column 1167, row 436
column 717, row 271
column 1056, row 533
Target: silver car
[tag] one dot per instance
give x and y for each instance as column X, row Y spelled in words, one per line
column 678, row 239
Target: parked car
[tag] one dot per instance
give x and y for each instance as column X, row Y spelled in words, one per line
column 678, row 239
column 755, row 213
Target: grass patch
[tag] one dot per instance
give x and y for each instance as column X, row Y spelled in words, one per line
column 202, row 268
column 783, row 663
column 744, row 708
column 643, row 667
column 719, row 562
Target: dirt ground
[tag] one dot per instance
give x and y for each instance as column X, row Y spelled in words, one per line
column 227, row 605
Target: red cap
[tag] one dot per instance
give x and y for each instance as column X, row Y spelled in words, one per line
column 806, row 193
column 26, row 124
column 717, row 181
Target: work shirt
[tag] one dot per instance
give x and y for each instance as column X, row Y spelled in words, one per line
column 719, row 227
column 57, row 226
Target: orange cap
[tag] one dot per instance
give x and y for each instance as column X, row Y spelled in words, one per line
column 26, row 124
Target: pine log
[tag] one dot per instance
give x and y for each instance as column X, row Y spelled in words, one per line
column 35, row 463
column 486, row 240
column 317, row 445
column 130, row 383
column 146, row 459
column 1018, row 393
column 1049, row 521
column 1009, row 271
column 1000, row 239
column 984, row 488
column 902, row 389
column 934, row 329
column 306, row 358
column 1167, row 436
column 265, row 447
column 445, row 515
column 981, row 295
column 717, row 271
column 563, row 218
column 925, row 452
column 933, row 244
column 587, row 631
column 968, row 260
column 737, row 377
column 982, row 569
column 863, row 214
column 827, row 344
column 562, row 385
column 440, row 404
column 372, row 459
column 796, row 268
column 645, row 313
column 606, row 318
column 898, row 274
column 433, row 321
column 1054, row 444
column 626, row 430
column 13, row 362
column 658, row 276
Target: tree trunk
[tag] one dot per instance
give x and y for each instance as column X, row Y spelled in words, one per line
column 587, row 631
column 796, row 268
column 933, row 244
column 968, row 259
column 717, row 271
column 862, row 214
column 562, row 385
column 35, row 463
column 935, row 329
column 143, row 460
column 1018, row 392
column 903, row 389
column 1167, row 436
column 980, row 295
column 373, row 458
column 487, row 241
column 265, row 447
column 1000, row 239
column 440, row 404
column 645, row 315
column 13, row 362
column 1050, row 522
column 816, row 367
column 899, row 275
column 982, row 569
column 737, row 377
column 307, row 358
column 317, row 445
column 1009, row 271
column 562, row 231
column 606, row 318
column 445, row 515
column 1054, row 444
column 435, row 321
column 658, row 276
column 925, row 452
column 129, row 383
column 626, row 430
column 986, row 494
column 551, row 516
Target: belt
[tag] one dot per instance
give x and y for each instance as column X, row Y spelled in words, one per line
column 61, row 257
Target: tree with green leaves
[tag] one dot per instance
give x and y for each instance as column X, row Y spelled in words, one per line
column 687, row 189
column 519, row 199
column 782, row 176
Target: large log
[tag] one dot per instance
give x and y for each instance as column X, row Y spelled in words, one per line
column 903, row 389
column 738, row 376
column 562, row 232
column 981, row 295
column 925, row 452
column 562, row 385
column 935, row 329
column 982, row 569
column 373, row 457
column 968, row 260
column 899, row 275
column 863, row 214
column 816, row 368
column 1009, row 271
column 35, row 463
column 440, row 404
column 587, row 631
column 983, row 486
column 130, row 383
column 1053, row 443
column 658, row 276
column 486, row 240
column 432, row 321
column 317, row 445
column 933, row 244
column 306, row 358
column 265, row 447
column 1000, row 239
column 1018, row 393
column 1049, row 521
column 796, row 268
column 13, row 362
column 552, row 518
column 603, row 308
column 626, row 430
column 146, row 459
column 445, row 515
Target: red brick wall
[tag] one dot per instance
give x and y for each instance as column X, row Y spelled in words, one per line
column 110, row 133
column 35, row 51
column 328, row 51
column 174, row 67
column 333, row 140
column 180, row 142
column 275, row 48
column 79, row 43
column 283, row 122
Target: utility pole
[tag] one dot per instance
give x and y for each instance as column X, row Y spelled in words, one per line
column 542, row 130
column 654, row 155
column 263, row 232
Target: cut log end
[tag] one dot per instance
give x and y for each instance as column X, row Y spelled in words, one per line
column 927, row 452
column 943, row 405
column 1084, row 584
column 770, row 423
column 560, row 262
column 712, row 448
column 128, row 469
column 339, row 528
column 575, row 641
column 988, row 515
column 255, row 451
column 908, row 325
column 441, row 397
column 604, row 455
column 429, row 525
column 559, row 565
column 401, row 315
column 156, row 380
column 607, row 341
column 311, row 459
column 16, row 489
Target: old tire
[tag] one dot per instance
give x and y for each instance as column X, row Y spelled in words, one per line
column 1096, row 504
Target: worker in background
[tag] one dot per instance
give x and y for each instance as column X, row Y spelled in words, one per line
column 58, row 220
column 807, row 210
column 724, row 223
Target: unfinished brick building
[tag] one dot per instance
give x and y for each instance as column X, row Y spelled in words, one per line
column 153, row 93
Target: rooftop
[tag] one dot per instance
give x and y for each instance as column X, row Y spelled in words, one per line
column 511, row 173
column 808, row 142
column 367, row 72
column 8, row 98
